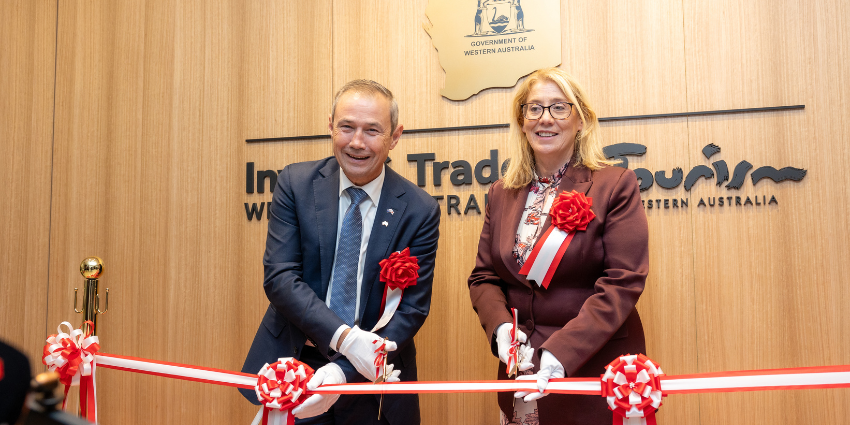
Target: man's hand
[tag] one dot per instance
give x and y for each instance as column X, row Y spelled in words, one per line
column 316, row 404
column 550, row 368
column 359, row 348
column 503, row 340
column 392, row 375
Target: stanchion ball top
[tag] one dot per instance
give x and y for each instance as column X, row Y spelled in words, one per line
column 91, row 268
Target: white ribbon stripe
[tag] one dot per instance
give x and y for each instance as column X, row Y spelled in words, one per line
column 756, row 381
column 669, row 385
column 278, row 417
column 390, row 306
column 584, row 386
column 444, row 387
column 634, row 421
column 546, row 255
column 405, row 387
column 176, row 371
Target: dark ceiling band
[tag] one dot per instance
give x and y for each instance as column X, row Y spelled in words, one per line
column 605, row 119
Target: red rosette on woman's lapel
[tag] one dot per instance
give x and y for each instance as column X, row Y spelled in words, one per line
column 570, row 213
column 398, row 272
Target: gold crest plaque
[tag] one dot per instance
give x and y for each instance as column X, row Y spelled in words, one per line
column 493, row 43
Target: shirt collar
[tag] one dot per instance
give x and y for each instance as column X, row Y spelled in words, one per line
column 554, row 179
column 372, row 189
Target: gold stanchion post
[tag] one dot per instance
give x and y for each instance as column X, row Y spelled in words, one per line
column 91, row 268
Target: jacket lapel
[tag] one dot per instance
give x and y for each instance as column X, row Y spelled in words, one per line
column 327, row 215
column 578, row 179
column 380, row 238
column 512, row 211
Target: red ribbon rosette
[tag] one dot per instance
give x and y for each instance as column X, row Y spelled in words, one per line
column 570, row 213
column 71, row 355
column 281, row 387
column 399, row 271
column 632, row 387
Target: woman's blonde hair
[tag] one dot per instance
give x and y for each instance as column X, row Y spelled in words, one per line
column 588, row 147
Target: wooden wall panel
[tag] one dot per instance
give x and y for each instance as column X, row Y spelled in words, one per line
column 27, row 53
column 629, row 56
column 155, row 101
column 768, row 291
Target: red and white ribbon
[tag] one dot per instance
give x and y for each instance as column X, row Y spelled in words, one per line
column 546, row 255
column 632, row 387
column 282, row 386
column 178, row 371
column 570, row 212
column 72, row 355
column 802, row 378
column 513, row 352
column 750, row 380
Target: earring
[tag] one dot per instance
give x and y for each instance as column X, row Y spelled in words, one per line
column 576, row 151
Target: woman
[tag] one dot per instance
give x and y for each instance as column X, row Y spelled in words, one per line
column 586, row 317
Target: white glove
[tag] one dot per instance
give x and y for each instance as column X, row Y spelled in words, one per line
column 392, row 375
column 359, row 348
column 503, row 341
column 316, row 404
column 550, row 368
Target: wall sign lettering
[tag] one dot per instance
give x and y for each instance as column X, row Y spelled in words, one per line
column 441, row 172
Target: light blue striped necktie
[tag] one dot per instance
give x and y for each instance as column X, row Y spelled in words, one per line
column 344, row 286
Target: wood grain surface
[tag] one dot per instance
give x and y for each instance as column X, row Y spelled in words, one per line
column 27, row 52
column 154, row 100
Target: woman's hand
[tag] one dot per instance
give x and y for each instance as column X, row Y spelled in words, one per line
column 503, row 340
column 550, row 368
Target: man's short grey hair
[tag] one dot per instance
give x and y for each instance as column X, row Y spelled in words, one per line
column 369, row 87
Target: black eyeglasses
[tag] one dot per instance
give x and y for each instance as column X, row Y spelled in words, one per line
column 558, row 111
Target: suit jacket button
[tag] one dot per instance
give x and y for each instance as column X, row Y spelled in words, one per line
column 294, row 350
column 529, row 324
column 529, row 291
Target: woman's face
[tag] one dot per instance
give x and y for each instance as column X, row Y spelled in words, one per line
column 552, row 140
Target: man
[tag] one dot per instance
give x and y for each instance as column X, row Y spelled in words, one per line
column 332, row 222
column 14, row 383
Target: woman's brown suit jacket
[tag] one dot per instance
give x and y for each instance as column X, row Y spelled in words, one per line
column 587, row 316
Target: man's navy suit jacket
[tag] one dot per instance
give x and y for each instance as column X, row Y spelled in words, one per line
column 299, row 258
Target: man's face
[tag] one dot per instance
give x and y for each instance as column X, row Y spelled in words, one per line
column 361, row 134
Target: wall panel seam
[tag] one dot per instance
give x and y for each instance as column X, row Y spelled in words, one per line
column 693, row 226
column 47, row 326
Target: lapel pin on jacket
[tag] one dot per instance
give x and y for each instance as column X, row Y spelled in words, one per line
column 385, row 224
column 391, row 211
